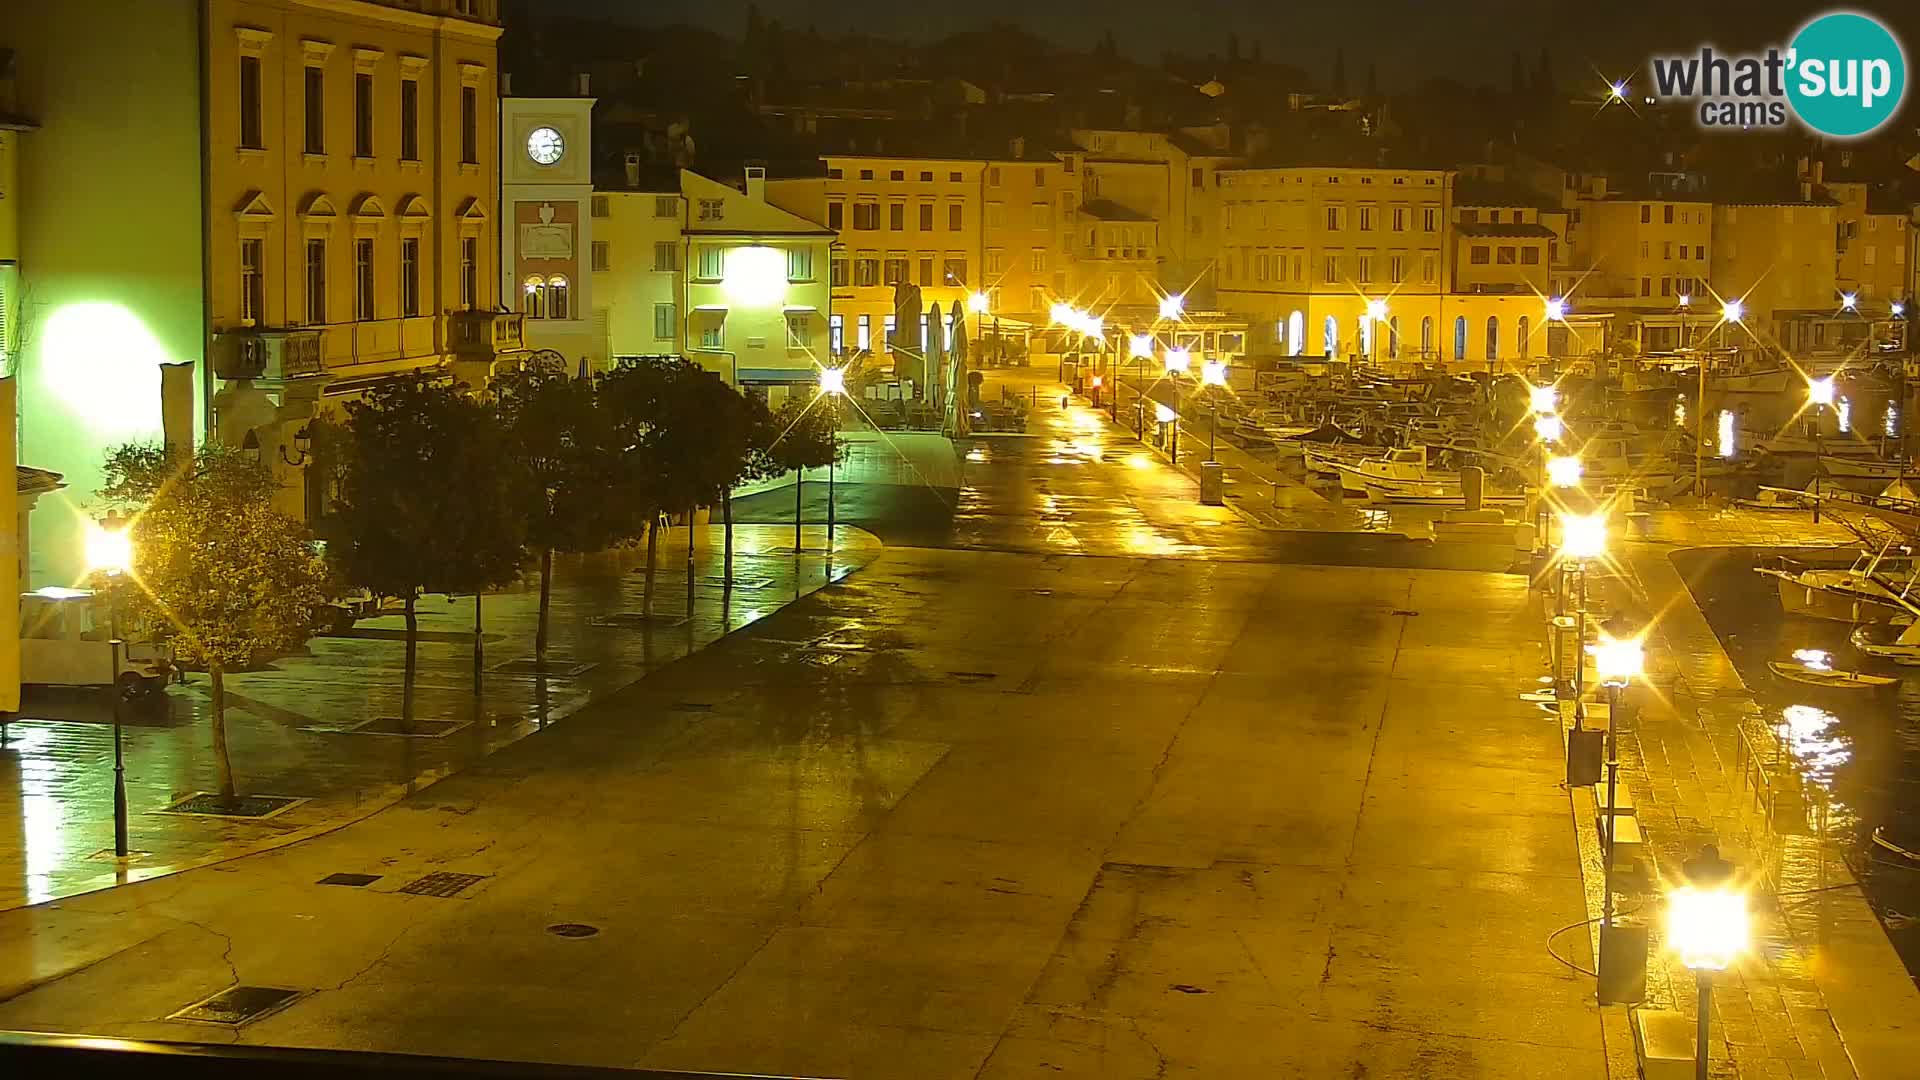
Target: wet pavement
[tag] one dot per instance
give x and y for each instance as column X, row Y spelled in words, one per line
column 1074, row 777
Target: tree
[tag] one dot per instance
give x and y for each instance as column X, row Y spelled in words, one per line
column 426, row 500
column 1373, row 84
column 1340, row 73
column 1543, row 87
column 571, row 493
column 800, row 435
column 223, row 575
column 730, row 421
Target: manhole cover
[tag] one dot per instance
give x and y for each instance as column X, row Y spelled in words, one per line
column 441, row 884
column 572, row 930
column 238, row 1005
column 354, row 881
column 415, row 729
column 630, row 620
column 206, row 804
column 556, row 668
column 1402, row 611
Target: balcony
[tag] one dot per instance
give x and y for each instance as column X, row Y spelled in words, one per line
column 380, row 341
column 275, row 355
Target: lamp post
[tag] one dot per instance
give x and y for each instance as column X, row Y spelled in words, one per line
column 833, row 383
column 1707, row 926
column 1376, row 314
column 1819, row 395
column 1582, row 537
column 1731, row 311
column 1542, row 401
column 1167, row 416
column 1617, row 662
column 1213, row 374
column 110, row 551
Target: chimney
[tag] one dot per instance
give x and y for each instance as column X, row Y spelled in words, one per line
column 757, row 183
column 584, row 89
column 506, row 84
column 1017, row 147
column 1819, row 172
column 633, row 169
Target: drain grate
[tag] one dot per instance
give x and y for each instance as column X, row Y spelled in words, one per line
column 255, row 807
column 632, row 620
column 352, row 881
column 557, row 667
column 238, row 1005
column 1402, row 611
column 441, row 884
column 418, row 729
column 572, row 930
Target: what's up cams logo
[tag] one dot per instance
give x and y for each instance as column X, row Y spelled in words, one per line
column 1844, row 75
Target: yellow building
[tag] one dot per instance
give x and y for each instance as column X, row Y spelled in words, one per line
column 637, row 259
column 1645, row 254
column 1501, row 245
column 1780, row 258
column 1167, row 179
column 1874, row 237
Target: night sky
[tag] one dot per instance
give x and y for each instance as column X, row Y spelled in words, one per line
column 1472, row 40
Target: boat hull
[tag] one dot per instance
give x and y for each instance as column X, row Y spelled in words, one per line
column 1828, row 679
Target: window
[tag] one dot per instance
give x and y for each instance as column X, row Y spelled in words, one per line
column 1042, row 215
column 665, row 255
column 864, row 333
column 800, row 264
column 925, row 276
column 1427, row 262
column 1643, row 249
column 1530, row 255
column 601, row 260
column 1669, row 209
column 363, row 279
column 250, row 135
column 469, row 271
column 1297, row 332
column 713, row 336
column 1646, row 214
column 1426, row 335
column 1037, row 298
column 1493, row 336
column 713, row 209
column 954, row 272
column 1393, row 338
column 866, row 270
column 897, row 174
column 1333, row 218
column 663, row 321
column 316, row 282
column 1330, row 337
column 253, row 287
column 316, row 111
column 836, row 216
column 1666, row 250
column 362, row 114
column 1397, row 269
column 1399, row 219
column 713, row 262
column 1523, row 337
column 837, row 334
column 800, row 326
column 1366, row 219
column 1666, row 286
column 1460, row 337
column 996, row 215
column 665, row 206
column 1506, row 256
column 866, row 174
column 557, row 297
column 1037, row 262
column 887, row 336
column 410, row 119
column 1479, row 254
column 410, row 276
column 1198, row 178
column 836, row 174
column 1700, row 251
column 926, row 176
column 896, row 216
column 954, row 212
column 1646, row 286
column 953, row 177
column 1330, row 272
column 866, row 216
column 926, row 217
column 996, row 262
column 1429, row 217
column 598, row 206
column 895, row 270
column 993, row 176
column 470, row 125
column 841, row 272
column 1366, row 268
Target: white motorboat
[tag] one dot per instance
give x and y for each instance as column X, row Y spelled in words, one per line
column 1402, row 476
column 1613, row 461
column 1327, row 458
column 1862, row 468
column 1897, row 642
column 1873, row 589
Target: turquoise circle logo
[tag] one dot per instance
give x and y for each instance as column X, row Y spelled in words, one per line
column 1846, row 74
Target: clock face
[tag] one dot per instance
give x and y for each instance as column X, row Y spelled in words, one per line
column 544, row 145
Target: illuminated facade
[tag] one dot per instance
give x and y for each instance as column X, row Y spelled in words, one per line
column 1644, row 253
column 546, row 245
column 638, row 257
column 1778, row 257
column 1169, row 180
column 1875, row 246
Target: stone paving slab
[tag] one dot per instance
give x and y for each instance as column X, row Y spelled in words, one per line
column 291, row 725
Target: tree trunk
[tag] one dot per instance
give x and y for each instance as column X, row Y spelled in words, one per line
column 222, row 763
column 726, row 515
column 799, row 478
column 690, row 513
column 406, row 688
column 546, row 596
column 653, row 536
column 479, row 652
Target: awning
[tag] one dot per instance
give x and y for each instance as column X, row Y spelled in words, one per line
column 778, row 375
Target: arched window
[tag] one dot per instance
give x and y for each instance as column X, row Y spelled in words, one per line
column 1297, row 332
column 1426, row 335
column 1460, row 337
column 1493, row 337
column 535, row 304
column 1393, row 338
column 1523, row 337
column 1332, row 337
column 557, row 297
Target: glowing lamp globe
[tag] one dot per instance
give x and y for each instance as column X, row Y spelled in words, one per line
column 1548, row 428
column 1564, row 471
column 1178, row 361
column 1377, row 310
column 755, row 277
column 110, row 550
column 1164, row 414
column 1556, row 309
column 1820, row 391
column 1619, row 661
column 1542, row 399
column 1173, row 306
column 1213, row 373
column 1733, row 311
column 1583, row 536
column 1140, row 346
column 1707, row 927
column 833, row 380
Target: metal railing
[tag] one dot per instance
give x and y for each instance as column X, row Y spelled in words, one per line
column 32, row 1054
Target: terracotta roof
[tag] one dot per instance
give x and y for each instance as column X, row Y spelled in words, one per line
column 1108, row 210
column 1505, row 229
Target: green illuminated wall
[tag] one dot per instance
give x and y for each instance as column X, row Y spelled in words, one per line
column 109, row 282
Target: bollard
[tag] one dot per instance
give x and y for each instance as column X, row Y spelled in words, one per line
column 1473, row 482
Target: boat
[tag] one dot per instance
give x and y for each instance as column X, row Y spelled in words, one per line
column 1872, row 589
column 1771, row 498
column 1767, row 381
column 1899, row 643
column 1814, row 668
column 1886, row 843
column 1862, row 468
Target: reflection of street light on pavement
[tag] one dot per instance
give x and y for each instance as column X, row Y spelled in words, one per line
column 1172, row 306
column 1708, row 928
column 109, row 549
column 1618, row 661
column 1564, row 471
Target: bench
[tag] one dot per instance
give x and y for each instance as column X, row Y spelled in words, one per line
column 1622, row 799
column 1627, row 844
column 1663, row 1041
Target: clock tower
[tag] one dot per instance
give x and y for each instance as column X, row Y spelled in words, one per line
column 546, row 204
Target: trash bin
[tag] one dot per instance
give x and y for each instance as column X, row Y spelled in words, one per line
column 1212, row 483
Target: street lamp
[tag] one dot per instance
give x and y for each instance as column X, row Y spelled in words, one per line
column 1543, row 400
column 1618, row 661
column 1563, row 471
column 1213, row 374
column 1819, row 395
column 833, row 384
column 978, row 303
column 1582, row 537
column 1708, row 928
column 1556, row 309
column 109, row 549
column 1549, row 428
column 1376, row 315
column 1166, row 416
column 1172, row 306
column 1733, row 310
column 1849, row 302
column 1179, row 361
